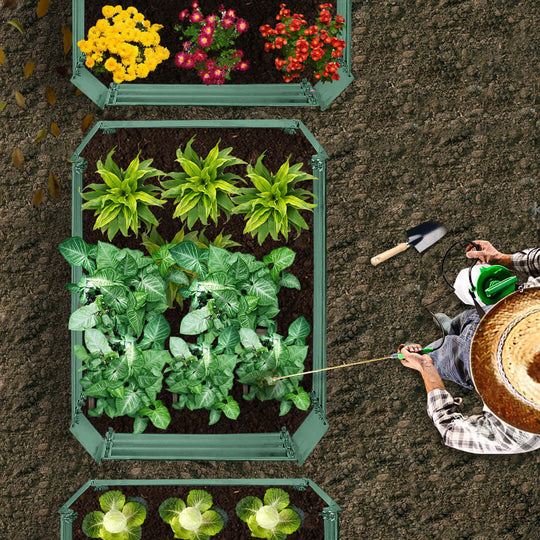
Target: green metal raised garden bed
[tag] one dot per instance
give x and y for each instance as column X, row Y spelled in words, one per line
column 321, row 512
column 298, row 94
column 278, row 445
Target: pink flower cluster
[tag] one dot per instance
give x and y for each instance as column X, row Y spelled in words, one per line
column 212, row 30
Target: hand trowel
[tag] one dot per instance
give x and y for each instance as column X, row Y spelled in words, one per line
column 421, row 237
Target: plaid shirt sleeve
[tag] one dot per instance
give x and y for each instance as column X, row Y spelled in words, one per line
column 477, row 434
column 527, row 261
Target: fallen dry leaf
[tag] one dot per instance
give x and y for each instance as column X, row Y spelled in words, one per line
column 2, row 57
column 54, row 185
column 28, row 69
column 9, row 4
column 41, row 135
column 37, row 199
column 78, row 92
column 17, row 25
column 18, row 159
column 2, row 105
column 50, row 94
column 67, row 38
column 19, row 98
column 87, row 120
column 42, row 8
column 54, row 130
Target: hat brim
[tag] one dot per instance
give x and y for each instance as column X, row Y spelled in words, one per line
column 487, row 377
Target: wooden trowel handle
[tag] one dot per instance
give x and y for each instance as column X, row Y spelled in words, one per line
column 385, row 255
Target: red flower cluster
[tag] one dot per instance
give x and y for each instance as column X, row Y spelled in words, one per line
column 313, row 46
column 213, row 34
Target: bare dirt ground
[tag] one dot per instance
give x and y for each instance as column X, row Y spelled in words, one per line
column 442, row 122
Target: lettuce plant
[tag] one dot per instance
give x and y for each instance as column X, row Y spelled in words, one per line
column 275, row 519
column 118, row 520
column 123, row 357
column 203, row 189
column 202, row 378
column 272, row 205
column 267, row 356
column 168, row 269
column 122, row 202
column 196, row 520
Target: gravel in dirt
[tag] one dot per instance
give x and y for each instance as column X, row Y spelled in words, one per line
column 435, row 81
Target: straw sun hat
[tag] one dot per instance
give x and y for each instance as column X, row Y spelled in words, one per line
column 505, row 359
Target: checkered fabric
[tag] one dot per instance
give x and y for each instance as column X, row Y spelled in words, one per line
column 528, row 261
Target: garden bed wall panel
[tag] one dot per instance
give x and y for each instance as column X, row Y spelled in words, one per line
column 330, row 513
column 274, row 95
column 279, row 446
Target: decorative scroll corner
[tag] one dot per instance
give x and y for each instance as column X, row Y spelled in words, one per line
column 287, row 443
column 78, row 409
column 317, row 407
column 302, row 486
column 345, row 65
column 80, row 164
column 68, row 515
column 318, row 164
column 291, row 130
column 309, row 92
column 79, row 65
column 109, row 439
column 112, row 94
column 328, row 514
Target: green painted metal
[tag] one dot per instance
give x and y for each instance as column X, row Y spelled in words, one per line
column 330, row 513
column 273, row 95
column 281, row 446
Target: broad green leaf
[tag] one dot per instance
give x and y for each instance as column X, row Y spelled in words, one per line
column 92, row 524
column 155, row 286
column 84, row 318
column 155, row 332
column 105, row 277
column 196, row 322
column 277, row 498
column 112, row 500
column 80, row 352
column 212, row 523
column 139, row 425
column 136, row 320
column 215, row 415
column 217, row 281
column 180, row 532
column 218, row 259
column 228, row 338
column 129, row 404
column 158, row 414
column 289, row 521
column 134, row 533
column 135, row 513
column 249, row 338
column 231, row 409
column 289, row 281
column 248, row 507
column 256, row 529
column 107, row 255
column 265, row 290
column 96, row 341
column 178, row 276
column 179, row 348
column 285, row 407
column 128, row 266
column 200, row 499
column 299, row 330
column 170, row 508
column 301, row 399
column 76, row 252
column 97, row 390
column 189, row 257
column 281, row 258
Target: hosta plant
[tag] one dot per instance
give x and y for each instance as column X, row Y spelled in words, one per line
column 196, row 520
column 202, row 377
column 272, row 205
column 118, row 520
column 232, row 289
column 122, row 201
column 203, row 189
column 122, row 299
column 261, row 358
column 272, row 518
column 169, row 270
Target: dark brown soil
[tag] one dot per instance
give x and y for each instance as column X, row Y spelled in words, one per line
column 262, row 68
column 224, row 497
column 247, row 144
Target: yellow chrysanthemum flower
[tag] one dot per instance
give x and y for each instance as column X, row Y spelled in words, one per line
column 90, row 62
column 142, row 71
column 138, row 17
column 146, row 24
column 131, row 10
column 110, row 64
column 108, row 11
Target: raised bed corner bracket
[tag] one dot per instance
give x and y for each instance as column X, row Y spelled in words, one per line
column 67, row 515
column 288, row 443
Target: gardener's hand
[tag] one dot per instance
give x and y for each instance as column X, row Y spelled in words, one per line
column 488, row 254
column 412, row 359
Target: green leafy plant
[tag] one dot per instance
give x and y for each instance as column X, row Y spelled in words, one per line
column 123, row 357
column 202, row 377
column 203, row 189
column 274, row 520
column 272, row 205
column 175, row 276
column 267, row 356
column 196, row 520
column 118, row 520
column 122, row 201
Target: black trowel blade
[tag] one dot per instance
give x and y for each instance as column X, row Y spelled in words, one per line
column 425, row 235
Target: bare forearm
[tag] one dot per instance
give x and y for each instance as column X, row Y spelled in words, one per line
column 504, row 260
column 431, row 377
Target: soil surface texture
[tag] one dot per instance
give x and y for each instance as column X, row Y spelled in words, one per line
column 262, row 68
column 442, row 122
column 224, row 497
column 247, row 144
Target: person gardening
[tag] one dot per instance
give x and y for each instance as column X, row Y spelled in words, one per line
column 499, row 356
